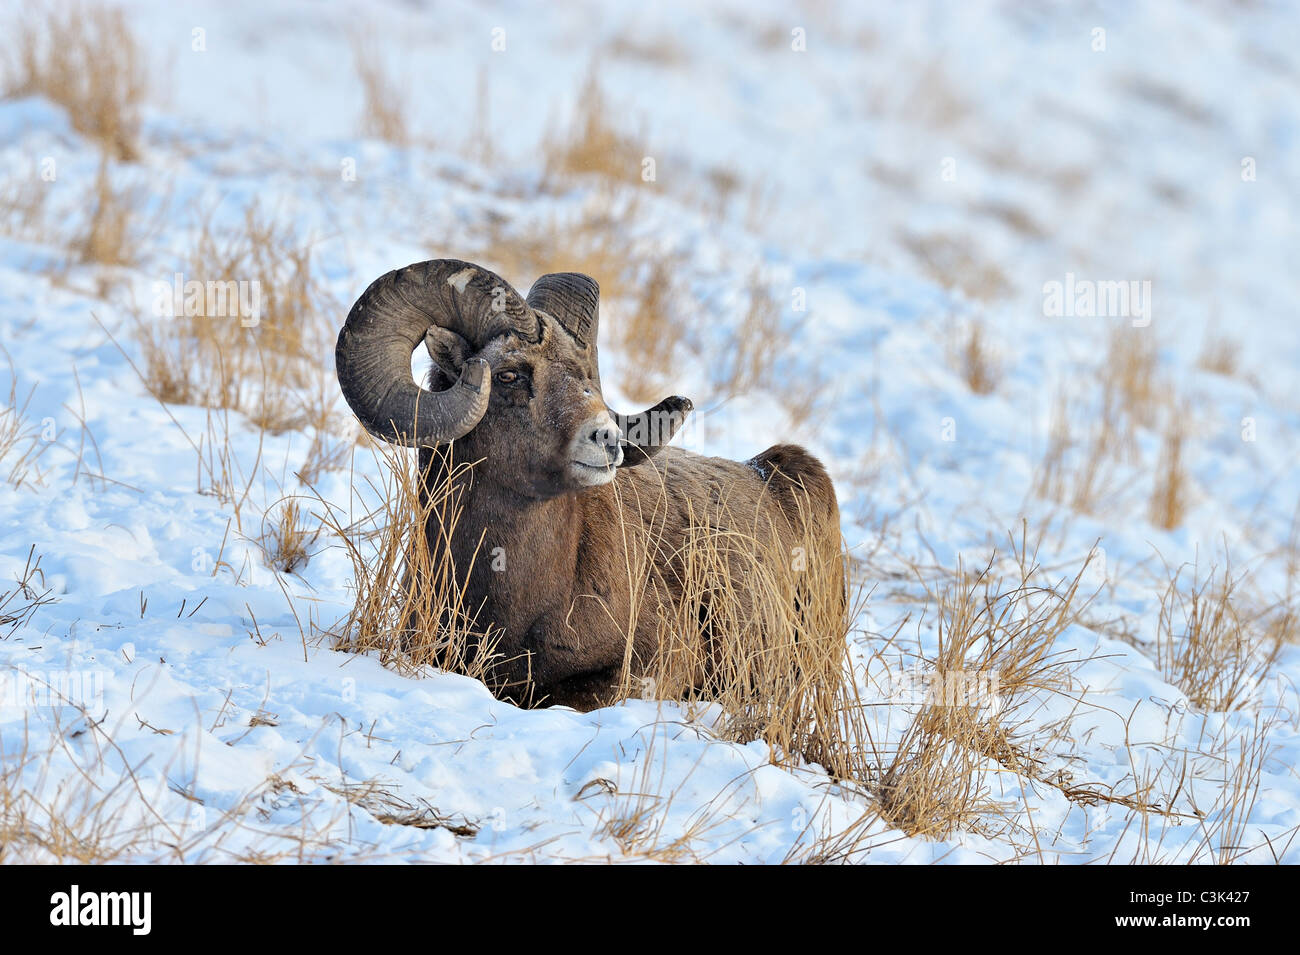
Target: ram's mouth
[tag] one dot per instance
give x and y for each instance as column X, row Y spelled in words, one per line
column 592, row 475
column 607, row 466
column 605, row 461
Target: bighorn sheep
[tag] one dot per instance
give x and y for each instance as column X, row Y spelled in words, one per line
column 563, row 486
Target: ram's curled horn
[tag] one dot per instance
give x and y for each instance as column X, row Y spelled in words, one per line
column 573, row 300
column 388, row 322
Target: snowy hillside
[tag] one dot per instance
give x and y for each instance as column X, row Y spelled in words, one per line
column 1023, row 277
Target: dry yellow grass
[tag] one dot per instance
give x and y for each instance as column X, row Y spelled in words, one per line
column 21, row 441
column 110, row 231
column 479, row 145
column 326, row 452
column 1169, row 496
column 288, row 535
column 22, row 207
column 648, row 311
column 72, row 830
column 109, row 238
column 1220, row 355
column 637, row 818
column 976, row 362
column 594, row 241
column 1225, row 822
column 253, row 335
column 1131, row 386
column 383, row 115
column 592, row 144
column 1209, row 644
column 952, row 263
column 996, row 658
column 28, row 594
column 596, row 150
column 933, row 97
column 756, row 342
column 980, row 740
column 219, row 470
column 71, row 803
column 648, row 331
column 1078, row 470
column 1280, row 611
column 930, row 784
column 660, row 49
column 761, row 630
column 409, row 609
column 84, row 58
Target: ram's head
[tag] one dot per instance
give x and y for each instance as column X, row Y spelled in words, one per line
column 515, row 382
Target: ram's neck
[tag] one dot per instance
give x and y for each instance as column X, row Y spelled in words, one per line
column 515, row 556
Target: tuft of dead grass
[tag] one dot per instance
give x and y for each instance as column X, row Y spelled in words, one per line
column 288, row 534
column 1079, row 470
column 997, row 661
column 650, row 329
column 383, row 115
column 219, row 470
column 1209, row 643
column 21, row 441
column 592, row 145
column 756, row 344
column 952, row 263
column 594, row 241
column 970, row 353
column 1169, row 496
column 327, row 452
column 410, row 609
column 640, row 818
column 1220, row 355
column 110, row 231
column 659, row 49
column 29, row 593
column 333, row 435
column 931, row 784
column 479, row 143
column 1225, row 822
column 648, row 310
column 392, row 809
column 23, row 214
column 1130, row 381
column 109, row 237
column 84, row 58
column 251, row 335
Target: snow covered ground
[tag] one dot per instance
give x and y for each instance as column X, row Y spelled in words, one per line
column 924, row 169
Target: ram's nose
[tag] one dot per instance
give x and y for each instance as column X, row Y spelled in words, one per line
column 609, row 439
column 599, row 443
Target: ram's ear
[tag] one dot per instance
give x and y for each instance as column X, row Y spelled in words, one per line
column 448, row 351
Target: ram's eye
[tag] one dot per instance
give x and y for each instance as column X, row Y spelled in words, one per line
column 507, row 377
